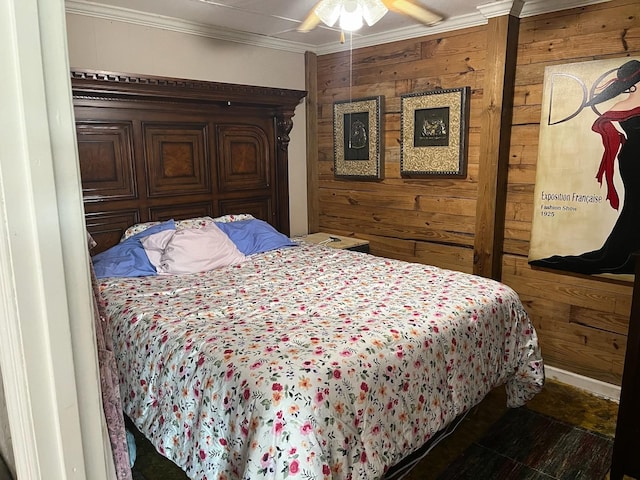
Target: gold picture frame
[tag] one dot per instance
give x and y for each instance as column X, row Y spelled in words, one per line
column 434, row 133
column 357, row 139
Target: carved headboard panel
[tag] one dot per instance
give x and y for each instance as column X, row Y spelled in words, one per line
column 154, row 148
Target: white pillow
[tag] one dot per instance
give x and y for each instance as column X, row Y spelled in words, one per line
column 155, row 244
column 198, row 250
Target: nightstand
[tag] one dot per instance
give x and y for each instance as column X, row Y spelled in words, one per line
column 338, row 241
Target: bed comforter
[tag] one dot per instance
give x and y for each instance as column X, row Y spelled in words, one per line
column 311, row 362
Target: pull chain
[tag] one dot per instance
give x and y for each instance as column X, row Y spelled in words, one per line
column 350, row 63
column 350, row 80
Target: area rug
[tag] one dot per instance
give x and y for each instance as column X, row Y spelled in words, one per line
column 526, row 445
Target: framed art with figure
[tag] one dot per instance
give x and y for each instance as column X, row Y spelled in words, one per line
column 587, row 197
column 356, row 138
column 434, row 130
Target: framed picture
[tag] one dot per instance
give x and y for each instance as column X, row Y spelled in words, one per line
column 434, row 129
column 586, row 204
column 357, row 141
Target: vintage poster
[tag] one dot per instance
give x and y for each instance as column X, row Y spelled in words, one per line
column 587, row 195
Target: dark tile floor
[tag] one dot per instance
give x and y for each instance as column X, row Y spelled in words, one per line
column 557, row 400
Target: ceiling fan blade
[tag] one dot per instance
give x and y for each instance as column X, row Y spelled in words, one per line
column 413, row 10
column 311, row 21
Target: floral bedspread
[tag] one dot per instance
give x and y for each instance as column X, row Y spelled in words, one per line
column 310, row 362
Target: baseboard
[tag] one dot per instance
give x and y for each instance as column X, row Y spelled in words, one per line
column 591, row 385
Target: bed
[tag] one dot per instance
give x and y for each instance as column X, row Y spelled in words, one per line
column 292, row 360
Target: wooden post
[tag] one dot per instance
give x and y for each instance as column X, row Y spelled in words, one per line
column 502, row 46
column 311, row 103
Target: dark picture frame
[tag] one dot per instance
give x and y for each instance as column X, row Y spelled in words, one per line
column 357, row 139
column 434, row 129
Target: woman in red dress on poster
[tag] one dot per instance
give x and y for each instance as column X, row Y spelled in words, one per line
column 615, row 255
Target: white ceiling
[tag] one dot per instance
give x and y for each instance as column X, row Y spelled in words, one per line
column 273, row 23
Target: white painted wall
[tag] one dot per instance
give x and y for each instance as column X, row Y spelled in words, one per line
column 118, row 46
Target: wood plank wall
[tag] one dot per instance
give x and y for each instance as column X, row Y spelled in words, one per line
column 581, row 321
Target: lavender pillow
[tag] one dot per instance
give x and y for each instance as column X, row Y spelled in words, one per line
column 198, row 250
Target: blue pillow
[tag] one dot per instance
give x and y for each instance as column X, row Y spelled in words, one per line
column 128, row 258
column 255, row 236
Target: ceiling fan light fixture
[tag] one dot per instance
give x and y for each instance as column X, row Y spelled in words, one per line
column 373, row 10
column 329, row 11
column 353, row 13
column 351, row 16
column 350, row 13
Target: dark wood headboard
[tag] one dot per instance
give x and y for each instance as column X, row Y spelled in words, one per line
column 154, row 148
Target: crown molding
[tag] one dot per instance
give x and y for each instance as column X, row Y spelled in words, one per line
column 449, row 25
column 501, row 8
column 519, row 8
column 539, row 7
column 135, row 17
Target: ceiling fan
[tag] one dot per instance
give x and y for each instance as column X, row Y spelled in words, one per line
column 352, row 12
